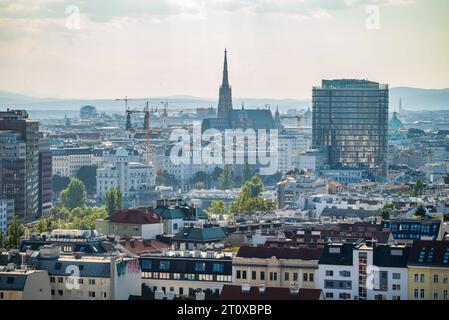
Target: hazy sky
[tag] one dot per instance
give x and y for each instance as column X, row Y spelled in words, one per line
column 277, row 48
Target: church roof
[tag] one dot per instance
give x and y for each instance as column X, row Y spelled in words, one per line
column 252, row 118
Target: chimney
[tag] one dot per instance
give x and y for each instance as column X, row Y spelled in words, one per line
column 246, row 287
column 261, row 288
column 294, row 290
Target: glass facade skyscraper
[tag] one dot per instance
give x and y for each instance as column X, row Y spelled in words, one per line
column 350, row 125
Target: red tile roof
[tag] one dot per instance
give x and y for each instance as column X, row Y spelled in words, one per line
column 135, row 216
column 232, row 292
column 279, row 253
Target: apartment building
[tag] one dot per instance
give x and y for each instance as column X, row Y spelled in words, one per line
column 184, row 273
column 139, row 222
column 23, row 284
column 67, row 161
column 428, row 270
column 81, row 277
column 276, row 267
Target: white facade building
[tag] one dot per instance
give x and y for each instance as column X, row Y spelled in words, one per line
column 67, row 161
column 130, row 177
column 363, row 271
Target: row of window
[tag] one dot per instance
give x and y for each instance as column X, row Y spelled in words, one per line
column 186, row 276
column 421, row 278
column 71, row 280
column 306, row 277
column 78, row 293
column 164, row 265
column 421, row 293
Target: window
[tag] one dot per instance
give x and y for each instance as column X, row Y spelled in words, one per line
column 244, row 274
column 239, row 274
column 329, row 273
column 262, row 275
column 164, row 265
column 145, row 264
column 218, row 267
column 92, row 282
column 273, row 276
column 396, row 276
column 52, row 292
column 254, row 275
column 416, row 278
column 445, row 294
column 422, row 293
column 396, row 287
column 435, row 295
column 60, row 279
column 52, row 279
column 445, row 279
column 199, row 266
column 329, row 295
column 305, row 277
column 60, row 292
column 286, row 276
column 421, row 278
column 295, row 276
column 91, row 294
column 345, row 273
column 435, row 278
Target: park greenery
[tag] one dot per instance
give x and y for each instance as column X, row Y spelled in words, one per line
column 248, row 202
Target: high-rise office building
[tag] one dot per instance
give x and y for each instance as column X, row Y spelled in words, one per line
column 350, row 125
column 20, row 161
column 45, row 173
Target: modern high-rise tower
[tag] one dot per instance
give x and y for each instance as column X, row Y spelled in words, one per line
column 350, row 124
column 225, row 97
column 19, row 178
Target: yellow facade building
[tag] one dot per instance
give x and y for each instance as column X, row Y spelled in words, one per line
column 428, row 271
column 276, row 267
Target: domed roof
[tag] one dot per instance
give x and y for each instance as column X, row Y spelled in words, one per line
column 121, row 152
column 395, row 124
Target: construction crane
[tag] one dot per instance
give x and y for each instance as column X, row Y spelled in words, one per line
column 146, row 124
column 128, row 115
column 298, row 118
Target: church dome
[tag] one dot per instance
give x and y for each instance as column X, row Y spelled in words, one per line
column 395, row 124
column 121, row 152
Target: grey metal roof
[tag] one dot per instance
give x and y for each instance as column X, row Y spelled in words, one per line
column 12, row 281
column 93, row 269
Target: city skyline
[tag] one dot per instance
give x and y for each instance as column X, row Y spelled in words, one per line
column 275, row 49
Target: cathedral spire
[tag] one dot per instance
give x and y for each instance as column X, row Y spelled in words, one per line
column 225, row 82
column 225, row 97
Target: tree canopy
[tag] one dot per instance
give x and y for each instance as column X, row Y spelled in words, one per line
column 88, row 175
column 74, row 195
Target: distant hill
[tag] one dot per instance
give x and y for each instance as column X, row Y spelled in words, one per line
column 419, row 99
column 412, row 99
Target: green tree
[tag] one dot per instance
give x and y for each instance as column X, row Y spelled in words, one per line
column 247, row 173
column 59, row 183
column 113, row 200
column 163, row 178
column 226, row 177
column 217, row 208
column 446, row 217
column 253, row 187
column 418, row 188
column 385, row 215
column 200, row 179
column 421, row 211
column 15, row 232
column 42, row 225
column 88, row 175
column 75, row 195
